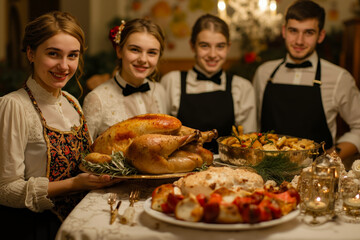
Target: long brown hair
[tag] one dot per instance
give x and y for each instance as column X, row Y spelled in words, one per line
column 50, row 24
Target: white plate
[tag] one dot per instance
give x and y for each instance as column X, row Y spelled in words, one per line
column 214, row 226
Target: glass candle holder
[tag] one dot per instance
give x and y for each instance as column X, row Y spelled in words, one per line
column 316, row 211
column 317, row 204
column 304, row 188
column 327, row 170
column 350, row 193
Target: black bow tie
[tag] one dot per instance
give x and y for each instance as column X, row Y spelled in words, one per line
column 301, row 65
column 215, row 78
column 128, row 89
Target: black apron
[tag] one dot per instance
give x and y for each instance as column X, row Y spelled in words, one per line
column 207, row 111
column 295, row 110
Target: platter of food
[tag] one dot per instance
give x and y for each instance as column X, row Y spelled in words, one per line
column 138, row 176
column 222, row 198
column 149, row 146
column 169, row 218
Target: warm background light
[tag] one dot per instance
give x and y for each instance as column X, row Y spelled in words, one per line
column 222, row 10
column 221, row 5
column 273, row 6
column 263, row 5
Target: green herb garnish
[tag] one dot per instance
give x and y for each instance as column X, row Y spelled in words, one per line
column 203, row 167
column 266, row 139
column 277, row 167
column 118, row 166
column 237, row 137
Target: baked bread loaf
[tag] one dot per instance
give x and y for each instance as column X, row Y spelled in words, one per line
column 213, row 178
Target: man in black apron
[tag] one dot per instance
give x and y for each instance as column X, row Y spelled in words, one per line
column 289, row 107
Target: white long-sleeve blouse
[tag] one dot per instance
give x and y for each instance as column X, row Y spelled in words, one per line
column 23, row 181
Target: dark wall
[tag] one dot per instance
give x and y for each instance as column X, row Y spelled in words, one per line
column 38, row 7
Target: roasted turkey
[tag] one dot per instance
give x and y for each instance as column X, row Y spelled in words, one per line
column 155, row 144
column 119, row 136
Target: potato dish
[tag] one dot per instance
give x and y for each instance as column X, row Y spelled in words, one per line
column 249, row 149
column 268, row 142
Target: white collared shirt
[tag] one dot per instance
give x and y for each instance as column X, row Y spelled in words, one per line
column 106, row 105
column 339, row 92
column 241, row 89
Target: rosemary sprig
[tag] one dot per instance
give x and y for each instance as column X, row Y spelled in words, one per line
column 203, row 167
column 236, row 134
column 266, row 139
column 253, row 141
column 118, row 166
column 277, row 167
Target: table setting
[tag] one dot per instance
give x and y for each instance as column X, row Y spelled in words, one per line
column 248, row 190
column 91, row 220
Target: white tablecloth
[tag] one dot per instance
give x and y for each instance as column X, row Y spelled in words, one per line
column 90, row 220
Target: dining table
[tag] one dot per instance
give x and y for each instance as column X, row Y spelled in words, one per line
column 90, row 220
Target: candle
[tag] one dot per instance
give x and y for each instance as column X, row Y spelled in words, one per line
column 351, row 206
column 316, row 205
column 353, row 202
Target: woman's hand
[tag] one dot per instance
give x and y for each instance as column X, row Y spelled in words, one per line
column 87, row 181
column 81, row 182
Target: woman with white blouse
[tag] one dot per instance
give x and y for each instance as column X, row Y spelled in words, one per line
column 43, row 134
column 206, row 97
column 139, row 44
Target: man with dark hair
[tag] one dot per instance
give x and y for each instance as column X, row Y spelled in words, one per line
column 301, row 95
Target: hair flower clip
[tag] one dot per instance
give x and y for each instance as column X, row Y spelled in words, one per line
column 115, row 34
